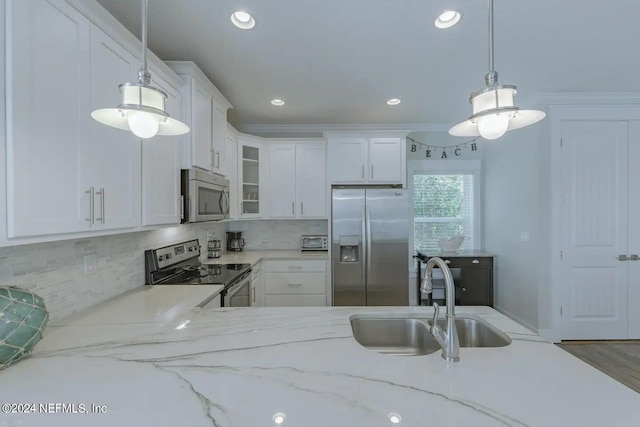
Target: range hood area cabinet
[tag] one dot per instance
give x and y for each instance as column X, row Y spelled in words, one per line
column 205, row 112
column 379, row 158
column 67, row 173
column 297, row 179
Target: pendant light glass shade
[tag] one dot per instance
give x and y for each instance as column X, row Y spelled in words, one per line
column 143, row 106
column 493, row 109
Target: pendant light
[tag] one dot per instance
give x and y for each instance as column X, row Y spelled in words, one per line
column 494, row 111
column 143, row 106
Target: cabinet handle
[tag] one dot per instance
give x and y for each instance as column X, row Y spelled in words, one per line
column 90, row 192
column 362, row 171
column 475, row 261
column 253, row 294
column 623, row 257
column 181, row 201
column 293, row 208
column 301, row 209
column 218, row 157
column 101, row 193
column 294, row 285
column 291, row 267
column 371, row 171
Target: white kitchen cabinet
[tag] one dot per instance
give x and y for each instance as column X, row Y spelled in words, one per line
column 295, row 283
column 367, row 159
column 251, row 177
column 112, row 161
column 48, row 71
column 297, row 180
column 161, row 167
column 257, row 286
column 205, row 111
column 231, row 162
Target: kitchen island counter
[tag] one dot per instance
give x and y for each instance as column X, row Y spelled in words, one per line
column 243, row 366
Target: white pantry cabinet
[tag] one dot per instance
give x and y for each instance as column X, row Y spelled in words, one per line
column 205, row 111
column 161, row 202
column 358, row 159
column 297, row 180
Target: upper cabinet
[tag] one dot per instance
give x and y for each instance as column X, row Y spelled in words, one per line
column 379, row 159
column 67, row 173
column 297, row 180
column 251, row 177
column 205, row 111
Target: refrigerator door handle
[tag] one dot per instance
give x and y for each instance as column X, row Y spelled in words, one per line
column 368, row 227
column 363, row 253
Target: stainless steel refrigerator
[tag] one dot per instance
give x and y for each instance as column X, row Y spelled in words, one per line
column 369, row 246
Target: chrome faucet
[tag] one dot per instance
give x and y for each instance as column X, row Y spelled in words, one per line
column 448, row 339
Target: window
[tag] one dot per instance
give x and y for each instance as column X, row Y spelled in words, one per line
column 445, row 203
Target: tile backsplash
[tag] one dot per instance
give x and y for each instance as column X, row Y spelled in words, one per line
column 276, row 234
column 56, row 270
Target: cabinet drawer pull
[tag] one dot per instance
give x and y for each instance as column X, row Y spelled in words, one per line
column 294, row 284
column 291, row 267
column 475, row 261
column 362, row 171
column 90, row 192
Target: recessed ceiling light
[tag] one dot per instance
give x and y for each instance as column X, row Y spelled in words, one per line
column 447, row 19
column 279, row 417
column 243, row 20
column 395, row 418
column 394, row 101
column 277, row 102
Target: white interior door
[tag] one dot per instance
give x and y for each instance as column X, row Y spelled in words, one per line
column 633, row 291
column 594, row 229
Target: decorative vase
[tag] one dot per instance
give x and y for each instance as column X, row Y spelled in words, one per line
column 23, row 318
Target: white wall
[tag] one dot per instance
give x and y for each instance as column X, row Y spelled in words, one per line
column 515, row 199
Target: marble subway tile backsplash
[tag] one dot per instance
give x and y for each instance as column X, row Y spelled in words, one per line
column 56, row 270
column 276, row 234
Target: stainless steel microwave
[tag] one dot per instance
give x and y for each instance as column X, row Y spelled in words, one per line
column 205, row 196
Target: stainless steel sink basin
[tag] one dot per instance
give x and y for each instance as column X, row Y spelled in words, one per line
column 398, row 337
column 410, row 336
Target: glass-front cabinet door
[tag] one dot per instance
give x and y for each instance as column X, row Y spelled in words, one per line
column 250, row 174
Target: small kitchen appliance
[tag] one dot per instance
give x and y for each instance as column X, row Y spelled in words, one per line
column 316, row 242
column 179, row 264
column 235, row 242
column 214, row 246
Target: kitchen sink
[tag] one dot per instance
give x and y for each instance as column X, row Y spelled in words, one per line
column 410, row 336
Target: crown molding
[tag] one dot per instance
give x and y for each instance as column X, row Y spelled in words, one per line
column 586, row 98
column 321, row 129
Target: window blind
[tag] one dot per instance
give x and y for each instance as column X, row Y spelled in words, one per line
column 443, row 207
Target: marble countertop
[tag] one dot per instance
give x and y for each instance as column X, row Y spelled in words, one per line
column 241, row 366
column 253, row 257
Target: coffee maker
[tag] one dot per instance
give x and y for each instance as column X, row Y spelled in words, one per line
column 235, row 242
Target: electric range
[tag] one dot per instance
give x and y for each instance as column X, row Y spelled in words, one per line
column 179, row 264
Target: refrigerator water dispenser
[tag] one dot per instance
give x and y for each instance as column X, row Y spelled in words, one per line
column 349, row 248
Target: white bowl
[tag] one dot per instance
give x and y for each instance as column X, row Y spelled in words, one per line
column 450, row 244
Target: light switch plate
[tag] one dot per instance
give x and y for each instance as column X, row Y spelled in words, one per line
column 90, row 264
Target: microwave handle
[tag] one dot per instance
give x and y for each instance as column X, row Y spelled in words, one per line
column 228, row 198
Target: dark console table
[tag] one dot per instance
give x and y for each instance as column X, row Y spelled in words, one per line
column 473, row 280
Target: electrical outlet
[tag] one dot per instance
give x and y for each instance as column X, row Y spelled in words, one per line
column 524, row 236
column 90, row 264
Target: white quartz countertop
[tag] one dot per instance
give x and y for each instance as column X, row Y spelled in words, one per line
column 254, row 257
column 241, row 366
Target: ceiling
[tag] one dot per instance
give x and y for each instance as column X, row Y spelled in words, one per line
column 337, row 62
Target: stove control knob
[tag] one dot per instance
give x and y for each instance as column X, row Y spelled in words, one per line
column 190, row 248
column 167, row 256
column 161, row 258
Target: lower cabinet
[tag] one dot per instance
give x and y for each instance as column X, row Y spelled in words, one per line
column 473, row 278
column 295, row 283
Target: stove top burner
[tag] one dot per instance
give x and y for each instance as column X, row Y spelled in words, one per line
column 208, row 274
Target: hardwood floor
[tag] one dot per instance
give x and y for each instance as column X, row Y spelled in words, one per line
column 618, row 359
